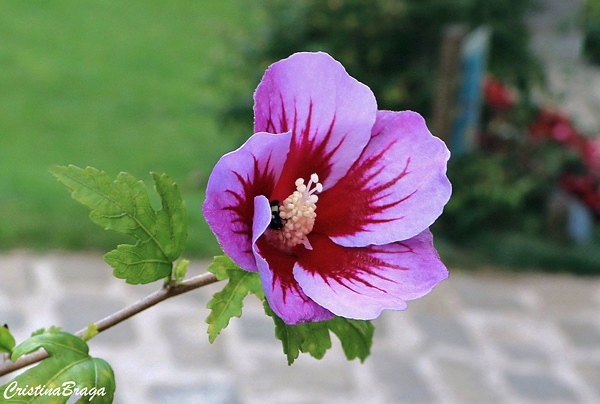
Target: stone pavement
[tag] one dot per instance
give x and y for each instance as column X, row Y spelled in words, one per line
column 485, row 337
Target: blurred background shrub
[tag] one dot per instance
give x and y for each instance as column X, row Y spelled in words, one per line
column 591, row 24
column 501, row 192
column 393, row 46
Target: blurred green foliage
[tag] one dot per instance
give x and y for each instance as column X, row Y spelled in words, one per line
column 508, row 190
column 393, row 45
column 591, row 26
column 486, row 196
column 502, row 210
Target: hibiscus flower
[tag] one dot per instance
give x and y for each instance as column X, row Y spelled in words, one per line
column 330, row 200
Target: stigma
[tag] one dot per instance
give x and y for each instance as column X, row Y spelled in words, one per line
column 297, row 213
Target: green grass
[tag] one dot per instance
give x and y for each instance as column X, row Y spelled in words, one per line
column 121, row 85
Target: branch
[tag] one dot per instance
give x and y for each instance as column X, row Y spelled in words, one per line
column 163, row 293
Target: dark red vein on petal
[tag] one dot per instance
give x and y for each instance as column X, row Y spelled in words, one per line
column 281, row 265
column 346, row 266
column 354, row 202
column 283, row 123
column 308, row 153
column 257, row 182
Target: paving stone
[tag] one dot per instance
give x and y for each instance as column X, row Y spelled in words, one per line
column 466, row 383
column 257, row 328
column 518, row 330
column 188, row 344
column 272, row 377
column 590, row 371
column 498, row 294
column 17, row 275
column 382, row 328
column 400, row 379
column 78, row 310
column 204, row 393
column 443, row 299
column 443, row 329
column 541, row 386
column 582, row 334
column 68, row 268
column 13, row 318
column 251, row 368
column 526, row 352
column 563, row 294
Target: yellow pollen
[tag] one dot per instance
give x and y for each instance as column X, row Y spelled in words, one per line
column 298, row 212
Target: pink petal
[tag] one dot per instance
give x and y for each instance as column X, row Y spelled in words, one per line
column 397, row 188
column 329, row 113
column 360, row 282
column 262, row 218
column 283, row 293
column 237, row 178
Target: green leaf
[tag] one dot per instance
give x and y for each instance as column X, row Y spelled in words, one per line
column 69, row 367
column 38, row 332
column 356, row 336
column 290, row 340
column 7, row 341
column 124, row 206
column 316, row 339
column 228, row 302
column 90, row 332
column 172, row 218
column 221, row 265
column 43, row 330
column 180, row 271
column 304, row 337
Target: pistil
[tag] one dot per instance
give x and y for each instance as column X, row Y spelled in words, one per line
column 297, row 213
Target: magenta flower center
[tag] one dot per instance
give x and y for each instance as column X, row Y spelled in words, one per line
column 297, row 213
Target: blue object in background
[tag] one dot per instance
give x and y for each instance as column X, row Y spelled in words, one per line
column 580, row 221
column 474, row 62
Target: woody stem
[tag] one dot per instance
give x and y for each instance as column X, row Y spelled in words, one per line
column 165, row 292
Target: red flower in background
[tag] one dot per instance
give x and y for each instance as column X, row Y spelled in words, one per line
column 590, row 154
column 551, row 124
column 498, row 95
column 585, row 187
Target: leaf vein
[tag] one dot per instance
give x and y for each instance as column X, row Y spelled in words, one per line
column 125, row 211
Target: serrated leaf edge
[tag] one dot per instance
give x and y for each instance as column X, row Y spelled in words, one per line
column 210, row 337
column 112, row 183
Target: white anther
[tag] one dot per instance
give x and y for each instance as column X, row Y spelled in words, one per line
column 298, row 210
